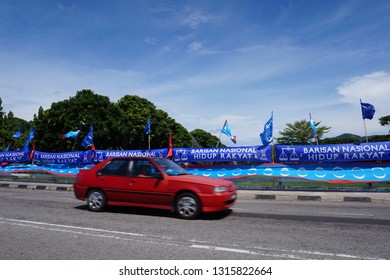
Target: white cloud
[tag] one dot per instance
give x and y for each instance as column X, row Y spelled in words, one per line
column 150, row 41
column 195, row 46
column 194, row 18
column 372, row 88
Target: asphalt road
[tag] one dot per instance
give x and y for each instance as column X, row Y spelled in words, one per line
column 41, row 225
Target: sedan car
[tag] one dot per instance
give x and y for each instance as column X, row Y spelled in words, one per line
column 152, row 183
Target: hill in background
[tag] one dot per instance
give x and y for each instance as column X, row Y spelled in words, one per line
column 353, row 138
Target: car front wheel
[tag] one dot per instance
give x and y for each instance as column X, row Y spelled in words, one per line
column 96, row 201
column 187, row 206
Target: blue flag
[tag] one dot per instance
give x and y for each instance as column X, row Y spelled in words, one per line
column 71, row 134
column 147, row 127
column 267, row 135
column 30, row 137
column 226, row 130
column 313, row 126
column 368, row 110
column 88, row 140
column 17, row 134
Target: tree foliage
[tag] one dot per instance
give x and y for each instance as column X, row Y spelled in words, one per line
column 136, row 111
column 117, row 125
column 78, row 113
column 300, row 133
column 8, row 126
column 385, row 121
column 203, row 139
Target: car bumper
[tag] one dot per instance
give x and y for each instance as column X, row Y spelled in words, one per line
column 80, row 192
column 218, row 202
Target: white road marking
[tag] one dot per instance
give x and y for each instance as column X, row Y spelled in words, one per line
column 239, row 209
column 71, row 227
column 350, row 214
column 271, row 253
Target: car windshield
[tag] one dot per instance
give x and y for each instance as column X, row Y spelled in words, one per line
column 169, row 167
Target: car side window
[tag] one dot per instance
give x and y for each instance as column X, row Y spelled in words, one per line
column 116, row 167
column 142, row 168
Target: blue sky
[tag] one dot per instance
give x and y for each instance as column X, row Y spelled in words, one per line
column 204, row 61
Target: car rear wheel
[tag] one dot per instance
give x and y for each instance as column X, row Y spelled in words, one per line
column 96, row 200
column 187, row 206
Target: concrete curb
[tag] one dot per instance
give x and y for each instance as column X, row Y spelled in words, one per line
column 317, row 197
column 257, row 195
column 36, row 186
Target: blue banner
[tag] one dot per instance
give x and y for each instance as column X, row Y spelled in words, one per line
column 13, row 156
column 228, row 154
column 60, row 158
column 341, row 173
column 362, row 152
column 100, row 155
column 371, row 172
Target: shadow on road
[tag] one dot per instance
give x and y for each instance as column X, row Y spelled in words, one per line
column 157, row 212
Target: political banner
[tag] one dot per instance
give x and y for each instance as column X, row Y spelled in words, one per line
column 100, row 155
column 60, row 158
column 13, row 156
column 227, row 154
column 342, row 172
column 361, row 152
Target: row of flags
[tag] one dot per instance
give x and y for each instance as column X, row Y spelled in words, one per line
column 266, row 137
column 29, row 139
column 368, row 111
column 87, row 141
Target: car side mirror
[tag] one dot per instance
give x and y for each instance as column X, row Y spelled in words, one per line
column 158, row 175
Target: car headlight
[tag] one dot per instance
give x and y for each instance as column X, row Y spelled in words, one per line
column 220, row 189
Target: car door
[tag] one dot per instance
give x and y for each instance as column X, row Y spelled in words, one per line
column 114, row 180
column 147, row 184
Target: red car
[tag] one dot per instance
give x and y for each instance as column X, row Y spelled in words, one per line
column 152, row 183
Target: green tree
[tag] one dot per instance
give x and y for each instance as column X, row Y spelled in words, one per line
column 9, row 125
column 203, row 139
column 163, row 126
column 300, row 133
column 385, row 121
column 136, row 111
column 78, row 113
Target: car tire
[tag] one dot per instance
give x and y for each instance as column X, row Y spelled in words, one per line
column 187, row 206
column 96, row 201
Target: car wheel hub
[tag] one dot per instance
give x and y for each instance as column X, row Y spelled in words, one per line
column 95, row 200
column 187, row 206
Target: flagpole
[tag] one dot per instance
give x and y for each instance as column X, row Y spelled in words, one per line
column 148, row 141
column 219, row 140
column 365, row 129
column 313, row 128
column 75, row 140
column 220, row 135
